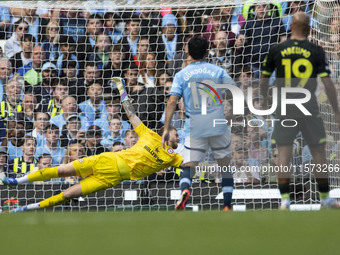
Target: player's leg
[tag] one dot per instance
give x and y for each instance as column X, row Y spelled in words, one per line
column 81, row 167
column 42, row 175
column 221, row 149
column 86, row 186
column 194, row 151
column 313, row 131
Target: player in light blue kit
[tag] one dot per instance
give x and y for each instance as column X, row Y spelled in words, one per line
column 197, row 84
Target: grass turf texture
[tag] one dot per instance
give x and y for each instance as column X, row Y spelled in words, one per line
column 209, row 232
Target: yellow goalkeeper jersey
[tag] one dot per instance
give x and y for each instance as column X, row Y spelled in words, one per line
column 147, row 156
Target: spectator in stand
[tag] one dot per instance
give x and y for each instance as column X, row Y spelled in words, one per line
column 217, row 25
column 220, row 54
column 240, row 161
column 14, row 137
column 162, row 79
column 60, row 91
column 29, row 102
column 115, row 126
column 50, row 43
column 148, row 71
column 168, row 42
column 180, row 60
column 257, row 35
column 131, row 38
column 149, row 24
column 41, row 121
column 256, row 149
column 73, row 152
column 244, row 79
column 44, row 161
column 6, row 72
column 72, row 133
column 130, row 139
column 69, row 108
column 148, row 102
column 113, row 108
column 188, row 21
column 92, row 142
column 3, row 163
column 52, row 145
column 91, row 73
column 13, row 44
column 32, row 71
column 25, row 56
column 67, row 52
column 94, row 27
column 5, row 22
column 37, row 25
column 102, row 50
column 110, row 21
column 143, row 47
column 94, row 107
column 117, row 146
column 231, row 20
column 116, row 64
column 20, row 166
column 72, row 24
column 75, row 85
column 12, row 103
column 43, row 90
column 292, row 8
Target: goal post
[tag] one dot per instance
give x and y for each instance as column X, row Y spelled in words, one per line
column 59, row 49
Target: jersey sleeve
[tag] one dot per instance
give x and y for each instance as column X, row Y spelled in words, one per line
column 178, row 159
column 177, row 86
column 323, row 67
column 141, row 129
column 268, row 66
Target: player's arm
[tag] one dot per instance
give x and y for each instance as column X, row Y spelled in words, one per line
column 169, row 111
column 331, row 94
column 129, row 110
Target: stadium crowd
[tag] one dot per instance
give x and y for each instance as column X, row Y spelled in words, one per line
column 58, row 103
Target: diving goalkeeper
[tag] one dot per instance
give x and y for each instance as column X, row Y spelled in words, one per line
column 108, row 169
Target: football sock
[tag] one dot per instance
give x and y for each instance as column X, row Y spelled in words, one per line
column 34, row 206
column 43, row 174
column 53, row 201
column 284, row 188
column 185, row 180
column 227, row 189
column 23, row 179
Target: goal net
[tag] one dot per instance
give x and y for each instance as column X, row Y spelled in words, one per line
column 58, row 103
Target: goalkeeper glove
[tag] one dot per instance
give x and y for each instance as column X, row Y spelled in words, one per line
column 120, row 83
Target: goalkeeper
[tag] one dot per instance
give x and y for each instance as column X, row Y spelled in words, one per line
column 108, row 169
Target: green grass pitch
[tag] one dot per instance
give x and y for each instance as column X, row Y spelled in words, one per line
column 208, row 232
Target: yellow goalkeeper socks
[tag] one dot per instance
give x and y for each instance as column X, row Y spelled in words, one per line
column 53, row 201
column 43, row 174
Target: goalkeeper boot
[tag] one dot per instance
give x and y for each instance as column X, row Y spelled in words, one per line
column 19, row 209
column 9, row 181
column 184, row 198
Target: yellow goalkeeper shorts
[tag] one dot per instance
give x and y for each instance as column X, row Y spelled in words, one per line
column 100, row 172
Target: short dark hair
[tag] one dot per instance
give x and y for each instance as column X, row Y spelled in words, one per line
column 66, row 40
column 61, row 81
column 52, row 127
column 44, row 155
column 69, row 64
column 28, row 37
column 95, row 16
column 118, row 143
column 198, row 47
column 133, row 18
column 161, row 130
column 36, row 114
